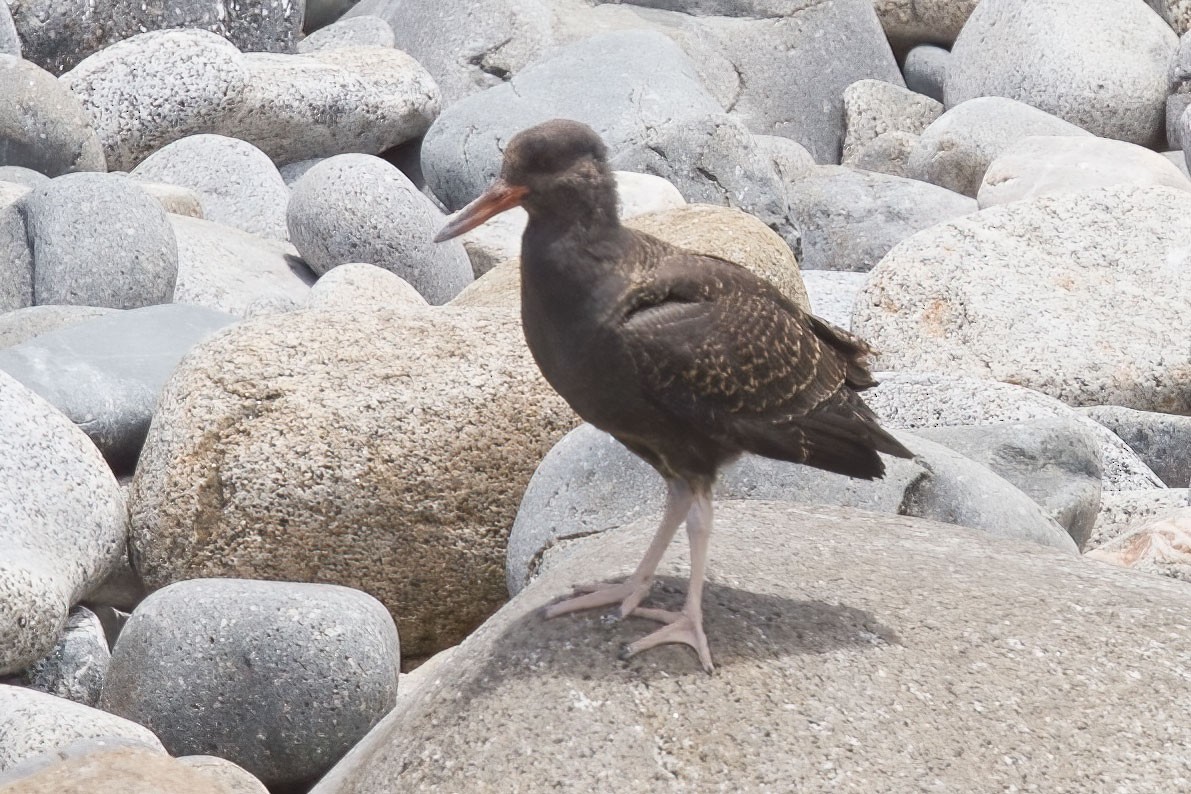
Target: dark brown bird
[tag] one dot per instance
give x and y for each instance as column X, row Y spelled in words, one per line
column 686, row 359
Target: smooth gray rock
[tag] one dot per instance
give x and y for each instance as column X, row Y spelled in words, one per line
column 24, row 324
column 100, row 240
column 367, row 31
column 832, row 294
column 320, row 13
column 105, row 374
column 43, row 126
column 20, row 175
column 1124, row 511
column 1085, row 279
column 10, row 43
column 349, row 99
column 236, row 272
column 292, row 172
column 281, row 678
column 63, row 523
column 174, row 199
column 1056, row 462
column 850, row 219
column 955, row 151
column 1162, row 440
column 237, row 183
column 1178, row 96
column 1045, row 165
column 681, row 134
column 915, row 400
column 16, row 255
column 790, row 158
column 76, row 667
column 59, row 34
column 157, row 87
column 874, row 107
column 33, row 723
column 1061, row 57
column 359, row 208
column 1179, row 160
column 925, row 70
column 825, row 624
column 589, row 483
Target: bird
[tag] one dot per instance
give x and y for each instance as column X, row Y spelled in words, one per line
column 688, row 360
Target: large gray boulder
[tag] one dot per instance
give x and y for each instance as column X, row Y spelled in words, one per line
column 22, row 325
column 589, row 483
column 681, row 133
column 43, row 126
column 105, row 374
column 956, row 149
column 281, row 678
column 1061, row 57
column 826, row 624
column 155, row 88
column 237, row 183
column 850, row 218
column 1075, row 295
column 100, row 240
column 63, row 523
column 359, row 208
column 384, row 450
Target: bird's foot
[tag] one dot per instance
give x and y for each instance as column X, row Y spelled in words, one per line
column 680, row 628
column 601, row 594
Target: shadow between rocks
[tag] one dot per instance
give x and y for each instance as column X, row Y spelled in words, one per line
column 741, row 626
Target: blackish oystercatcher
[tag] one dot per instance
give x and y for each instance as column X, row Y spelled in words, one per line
column 686, row 359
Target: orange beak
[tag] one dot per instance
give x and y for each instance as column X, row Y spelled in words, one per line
column 500, row 196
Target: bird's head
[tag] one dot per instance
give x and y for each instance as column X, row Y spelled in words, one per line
column 556, row 169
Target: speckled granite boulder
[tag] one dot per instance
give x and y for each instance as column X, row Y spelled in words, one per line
column 802, row 604
column 281, row 678
column 63, row 523
column 1059, row 56
column 390, row 458
column 33, row 723
column 359, row 208
column 366, row 31
column 1083, row 278
column 43, row 126
column 873, row 108
column 1162, row 440
column 1161, row 546
column 1121, row 512
column 100, row 240
column 908, row 22
column 157, row 87
column 237, row 183
column 832, row 294
column 357, row 285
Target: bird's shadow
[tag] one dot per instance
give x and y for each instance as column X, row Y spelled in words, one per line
column 742, row 627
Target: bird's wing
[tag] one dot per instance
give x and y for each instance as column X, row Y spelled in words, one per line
column 726, row 352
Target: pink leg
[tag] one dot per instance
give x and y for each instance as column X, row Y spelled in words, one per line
column 685, row 627
column 630, row 592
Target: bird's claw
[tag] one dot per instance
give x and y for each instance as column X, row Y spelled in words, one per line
column 628, row 594
column 680, row 628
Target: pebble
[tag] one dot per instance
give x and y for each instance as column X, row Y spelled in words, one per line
column 925, row 70
column 281, row 678
column 237, row 183
column 359, row 208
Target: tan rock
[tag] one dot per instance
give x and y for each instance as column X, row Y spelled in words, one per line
column 358, row 285
column 1161, row 547
column 910, row 22
column 128, row 770
column 718, row 231
column 385, row 451
column 855, row 653
column 1121, row 512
